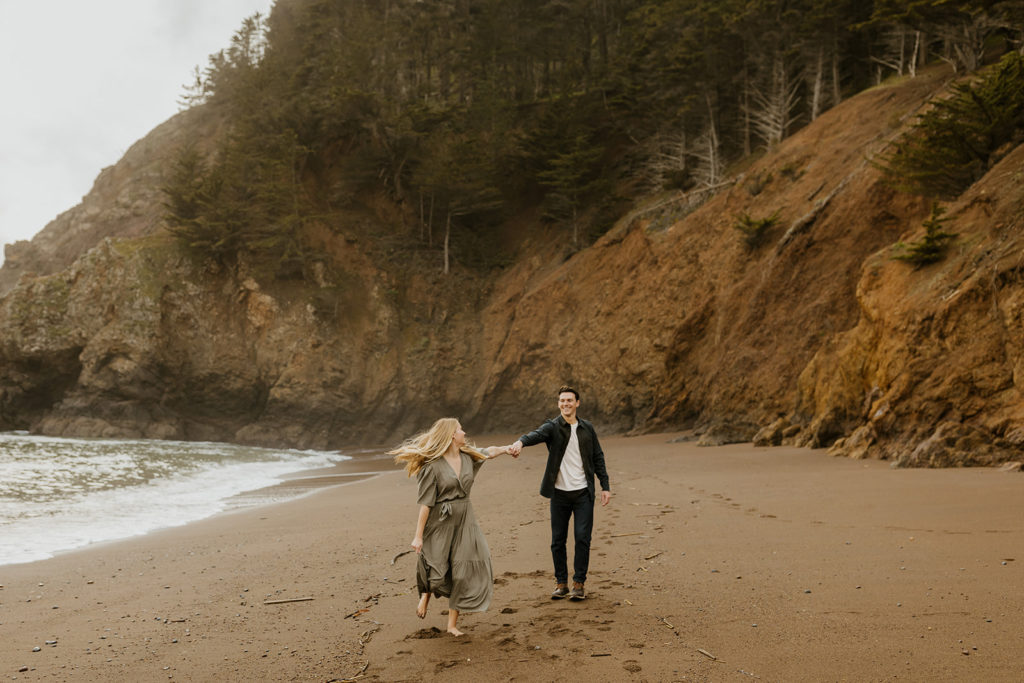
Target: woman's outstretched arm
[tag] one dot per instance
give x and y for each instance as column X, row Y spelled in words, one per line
column 494, row 451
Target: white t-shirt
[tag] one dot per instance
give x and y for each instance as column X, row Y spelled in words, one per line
column 571, row 476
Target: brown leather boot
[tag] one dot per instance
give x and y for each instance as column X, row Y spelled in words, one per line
column 577, row 591
column 561, row 591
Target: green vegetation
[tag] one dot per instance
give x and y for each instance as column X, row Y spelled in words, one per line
column 755, row 230
column 958, row 138
column 930, row 248
column 465, row 113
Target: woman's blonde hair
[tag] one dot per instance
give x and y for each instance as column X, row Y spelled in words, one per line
column 431, row 445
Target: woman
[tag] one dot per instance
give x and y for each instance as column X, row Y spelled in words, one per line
column 454, row 560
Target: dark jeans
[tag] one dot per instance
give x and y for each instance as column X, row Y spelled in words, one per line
column 580, row 506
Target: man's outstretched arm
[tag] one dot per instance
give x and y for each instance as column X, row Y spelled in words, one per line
column 539, row 435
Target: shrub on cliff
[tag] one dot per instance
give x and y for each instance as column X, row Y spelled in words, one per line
column 930, row 248
column 755, row 230
column 957, row 140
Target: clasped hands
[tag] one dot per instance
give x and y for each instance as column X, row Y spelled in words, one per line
column 512, row 449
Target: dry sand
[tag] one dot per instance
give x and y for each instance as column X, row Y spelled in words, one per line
column 710, row 564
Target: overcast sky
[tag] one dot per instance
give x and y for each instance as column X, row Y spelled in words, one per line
column 82, row 80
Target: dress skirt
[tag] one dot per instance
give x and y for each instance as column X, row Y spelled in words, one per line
column 455, row 561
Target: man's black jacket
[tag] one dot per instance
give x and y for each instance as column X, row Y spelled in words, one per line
column 555, row 433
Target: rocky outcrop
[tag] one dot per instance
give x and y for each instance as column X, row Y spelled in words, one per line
column 140, row 341
column 670, row 320
column 124, row 202
column 933, row 372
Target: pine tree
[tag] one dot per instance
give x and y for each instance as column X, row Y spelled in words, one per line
column 952, row 144
column 930, row 248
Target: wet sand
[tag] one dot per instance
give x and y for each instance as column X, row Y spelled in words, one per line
column 710, row 564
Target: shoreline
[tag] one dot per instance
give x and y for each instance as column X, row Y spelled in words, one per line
column 358, row 464
column 717, row 564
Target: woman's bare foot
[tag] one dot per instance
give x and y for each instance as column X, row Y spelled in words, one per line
column 421, row 609
column 453, row 618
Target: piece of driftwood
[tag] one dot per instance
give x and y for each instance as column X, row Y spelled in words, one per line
column 707, row 654
column 651, row 557
column 601, row 654
column 357, row 612
column 665, row 621
column 356, row 676
column 632, row 533
column 404, row 552
column 278, row 602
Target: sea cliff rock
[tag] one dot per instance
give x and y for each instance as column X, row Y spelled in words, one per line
column 671, row 320
column 933, row 372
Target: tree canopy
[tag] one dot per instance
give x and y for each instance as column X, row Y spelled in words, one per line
column 472, row 110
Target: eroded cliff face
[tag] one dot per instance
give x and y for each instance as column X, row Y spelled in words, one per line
column 669, row 321
column 137, row 340
column 933, row 372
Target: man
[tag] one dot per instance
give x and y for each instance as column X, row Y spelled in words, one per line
column 574, row 457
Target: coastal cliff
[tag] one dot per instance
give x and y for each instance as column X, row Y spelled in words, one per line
column 814, row 336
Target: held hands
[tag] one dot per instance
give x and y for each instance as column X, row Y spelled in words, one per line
column 513, row 450
column 417, row 544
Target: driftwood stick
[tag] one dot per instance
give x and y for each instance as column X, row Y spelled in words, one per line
column 278, row 602
column 404, row 552
column 356, row 676
column 364, row 610
column 665, row 621
column 707, row 654
column 632, row 533
column 601, row 654
column 651, row 557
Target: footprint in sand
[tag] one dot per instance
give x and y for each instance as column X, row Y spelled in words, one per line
column 631, row 665
column 424, row 633
column 441, row 666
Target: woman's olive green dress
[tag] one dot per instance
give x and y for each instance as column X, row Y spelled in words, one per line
column 455, row 561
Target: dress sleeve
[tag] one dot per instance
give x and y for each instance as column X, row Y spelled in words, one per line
column 427, row 494
column 477, row 464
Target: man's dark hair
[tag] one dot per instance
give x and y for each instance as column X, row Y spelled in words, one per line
column 564, row 388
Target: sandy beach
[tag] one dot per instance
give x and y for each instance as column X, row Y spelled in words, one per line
column 710, row 564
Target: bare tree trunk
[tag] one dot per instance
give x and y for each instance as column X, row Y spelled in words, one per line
column 746, row 114
column 774, row 114
column 430, row 223
column 837, row 91
column 903, row 49
column 912, row 64
column 819, row 84
column 575, row 228
column 447, row 239
column 708, row 156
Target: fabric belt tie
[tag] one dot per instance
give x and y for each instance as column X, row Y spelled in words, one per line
column 446, row 511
